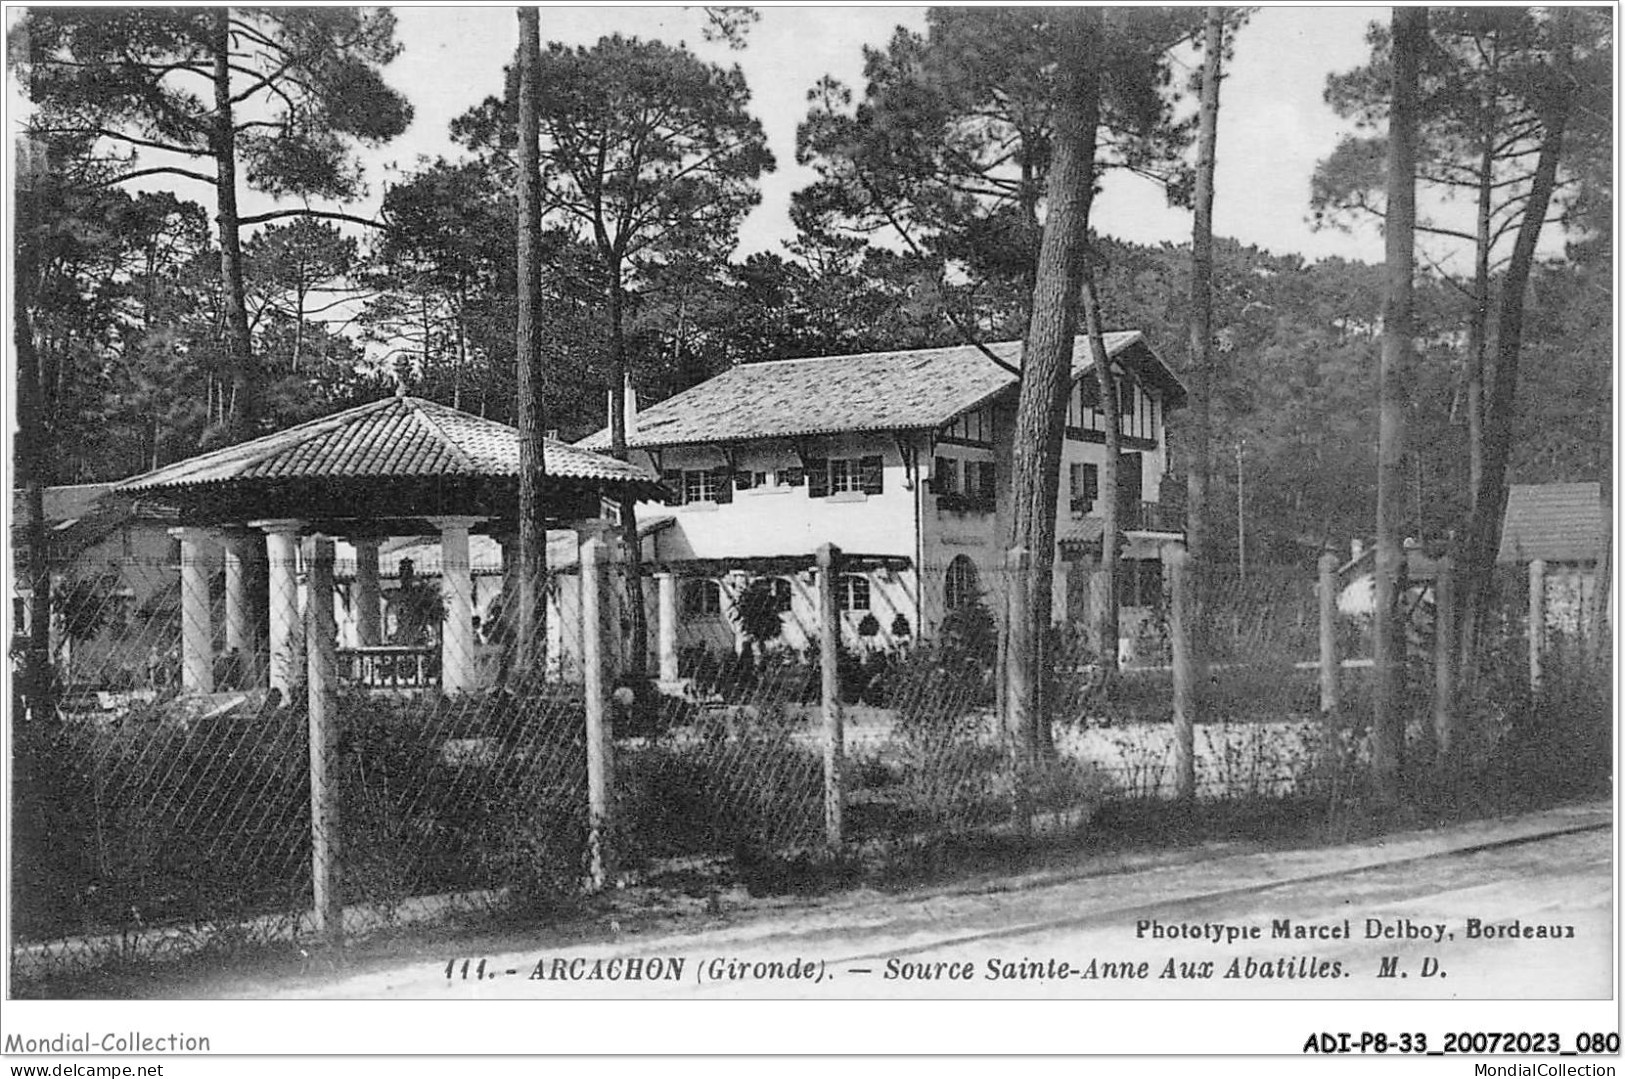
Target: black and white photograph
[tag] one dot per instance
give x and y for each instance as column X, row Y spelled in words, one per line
column 1072, row 511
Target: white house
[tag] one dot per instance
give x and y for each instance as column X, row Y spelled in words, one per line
column 900, row 459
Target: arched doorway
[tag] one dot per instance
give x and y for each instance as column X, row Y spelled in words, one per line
column 961, row 586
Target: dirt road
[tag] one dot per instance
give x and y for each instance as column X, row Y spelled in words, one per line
column 1514, row 908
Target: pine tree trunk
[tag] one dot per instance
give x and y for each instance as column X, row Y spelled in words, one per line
column 244, row 413
column 631, row 544
column 529, row 621
column 1199, row 373
column 1047, row 351
column 1489, row 502
column 34, row 459
column 1111, row 529
column 1388, row 645
column 1478, row 326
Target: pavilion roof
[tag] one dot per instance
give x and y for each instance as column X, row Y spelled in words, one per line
column 400, row 437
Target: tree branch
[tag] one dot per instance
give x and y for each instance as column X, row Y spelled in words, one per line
column 328, row 215
column 166, row 170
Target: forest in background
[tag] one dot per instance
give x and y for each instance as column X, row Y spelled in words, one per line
column 902, row 243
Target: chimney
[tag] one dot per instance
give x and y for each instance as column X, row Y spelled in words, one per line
column 629, row 407
column 629, row 400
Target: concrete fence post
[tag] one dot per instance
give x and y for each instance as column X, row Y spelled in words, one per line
column 1021, row 705
column 1018, row 652
column 1444, row 657
column 321, row 670
column 829, row 639
column 600, row 736
column 1329, row 659
column 1537, row 623
column 1597, row 607
column 1176, row 559
column 666, row 623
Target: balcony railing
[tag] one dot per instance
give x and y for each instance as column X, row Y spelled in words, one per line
column 1153, row 517
column 391, row 666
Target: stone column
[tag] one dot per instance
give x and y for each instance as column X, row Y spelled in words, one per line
column 666, row 583
column 239, row 615
column 282, row 552
column 368, row 612
column 736, row 582
column 459, row 671
column 1060, row 591
column 197, row 625
column 507, row 632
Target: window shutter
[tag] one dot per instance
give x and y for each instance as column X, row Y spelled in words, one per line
column 722, row 481
column 673, row 479
column 817, row 478
column 939, row 470
column 872, row 475
column 988, row 483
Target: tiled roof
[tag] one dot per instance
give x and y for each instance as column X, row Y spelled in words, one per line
column 399, row 437
column 875, row 391
column 1558, row 522
column 64, row 503
column 79, row 515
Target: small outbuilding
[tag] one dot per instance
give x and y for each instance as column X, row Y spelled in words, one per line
column 1562, row 530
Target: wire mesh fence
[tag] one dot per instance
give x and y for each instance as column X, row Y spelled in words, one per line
column 163, row 803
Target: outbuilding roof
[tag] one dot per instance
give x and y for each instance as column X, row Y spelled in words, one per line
column 873, row 391
column 398, row 437
column 79, row 515
column 1557, row 522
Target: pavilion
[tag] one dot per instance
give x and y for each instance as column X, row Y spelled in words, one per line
column 402, row 466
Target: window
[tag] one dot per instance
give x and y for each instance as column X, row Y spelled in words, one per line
column 961, row 588
column 852, row 593
column 985, row 487
column 1085, row 486
column 700, row 485
column 1089, row 391
column 844, row 475
column 964, row 486
column 702, row 597
column 840, row 476
column 783, row 593
column 1125, row 399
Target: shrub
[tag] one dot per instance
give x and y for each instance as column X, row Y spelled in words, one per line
column 744, row 787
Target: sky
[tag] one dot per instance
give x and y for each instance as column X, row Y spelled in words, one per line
column 1274, row 124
